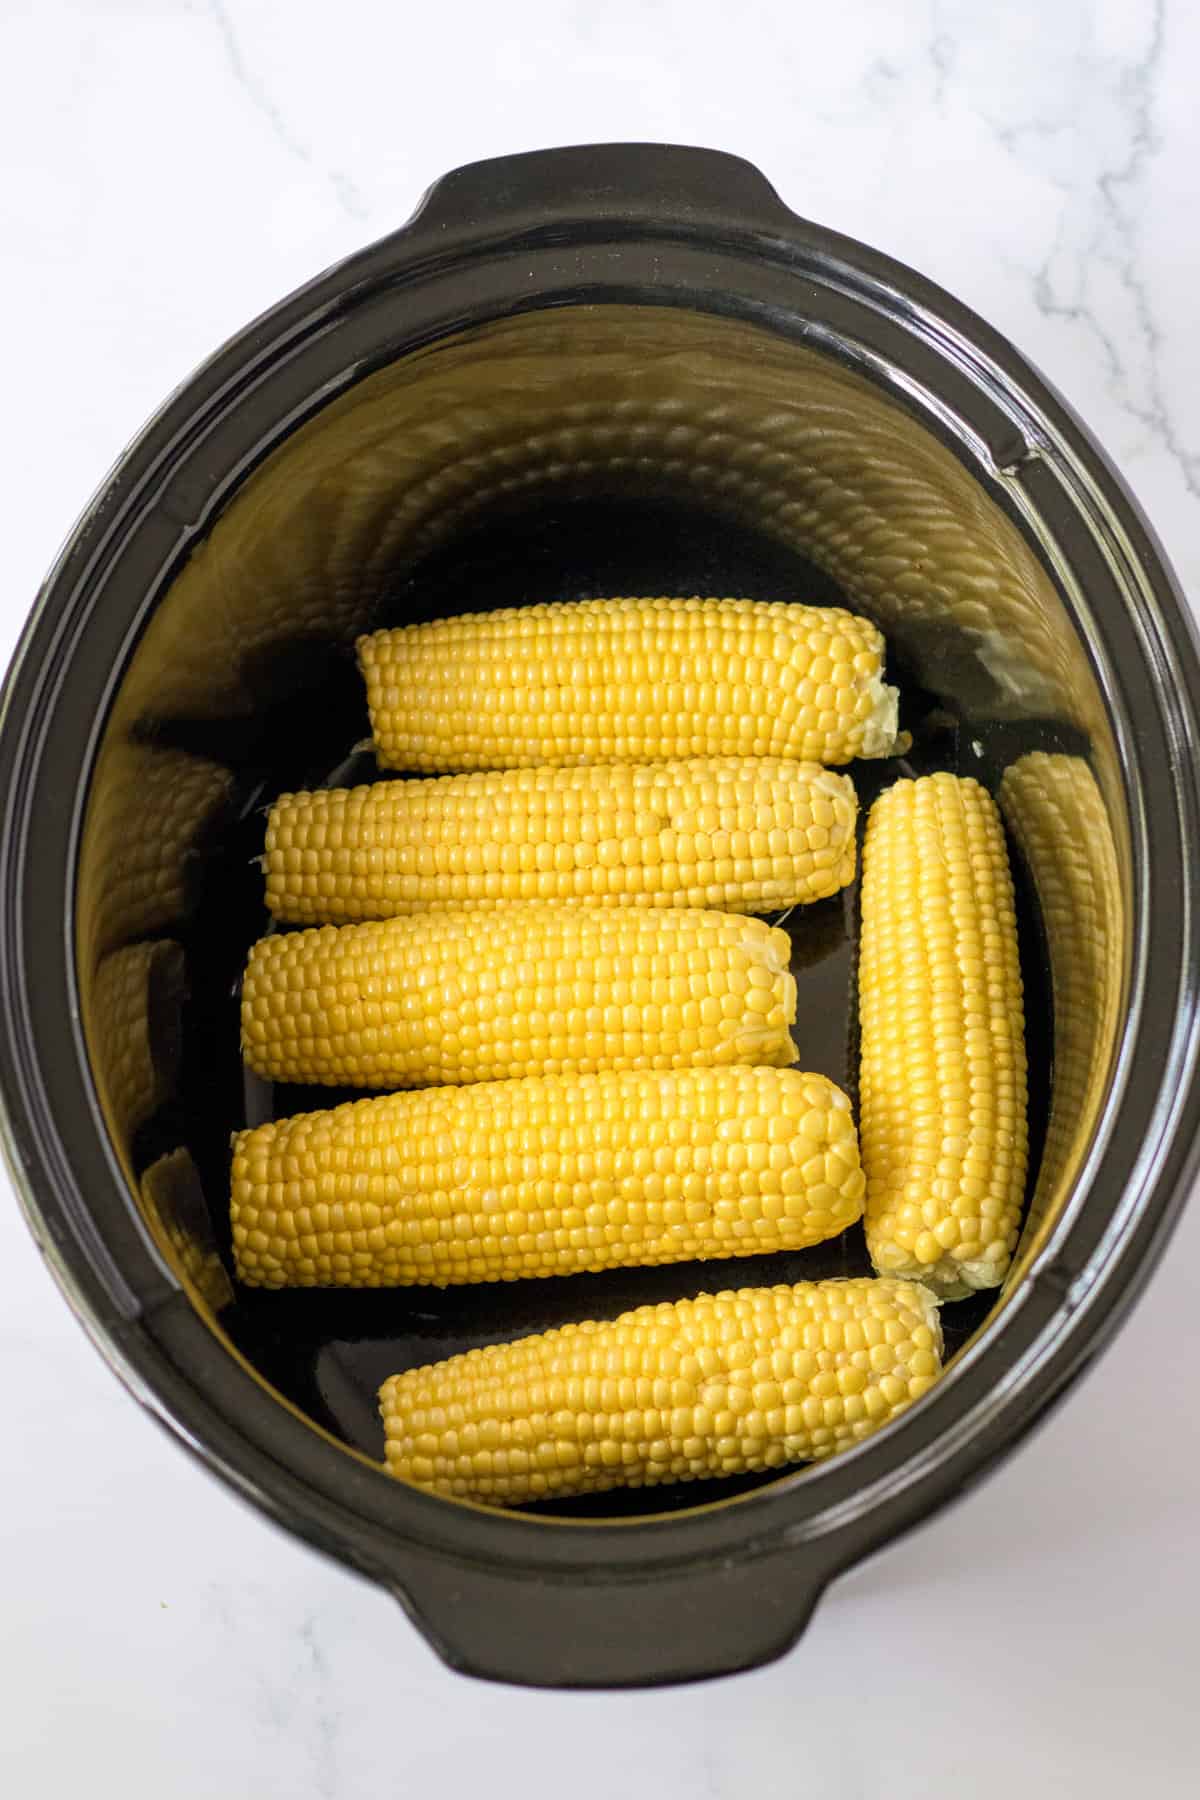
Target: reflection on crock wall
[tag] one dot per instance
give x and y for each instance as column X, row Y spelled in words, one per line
column 1055, row 812
column 174, row 1208
column 133, row 1012
column 152, row 810
column 586, row 401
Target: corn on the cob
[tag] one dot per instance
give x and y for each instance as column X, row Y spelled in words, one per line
column 1058, row 818
column 628, row 680
column 545, row 1176
column 473, row 994
column 725, row 1384
column 750, row 834
column 134, row 1019
column 942, row 1101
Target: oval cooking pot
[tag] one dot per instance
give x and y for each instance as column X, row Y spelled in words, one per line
column 619, row 368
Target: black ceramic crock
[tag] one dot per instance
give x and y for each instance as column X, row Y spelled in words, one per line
column 623, row 367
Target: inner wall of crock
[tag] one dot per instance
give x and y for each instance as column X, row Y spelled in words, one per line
column 560, row 455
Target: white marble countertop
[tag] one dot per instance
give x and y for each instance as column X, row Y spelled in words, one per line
column 169, row 169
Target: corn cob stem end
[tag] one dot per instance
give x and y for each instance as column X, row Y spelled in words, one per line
column 881, row 732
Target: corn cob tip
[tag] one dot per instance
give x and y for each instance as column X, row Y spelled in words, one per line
column 929, row 1303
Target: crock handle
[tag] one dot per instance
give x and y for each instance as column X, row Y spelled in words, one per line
column 618, row 182
column 540, row 1630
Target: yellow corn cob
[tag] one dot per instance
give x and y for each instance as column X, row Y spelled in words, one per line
column 942, row 1101
column 545, row 1176
column 477, row 994
column 134, row 1017
column 726, row 1384
column 751, row 834
column 1058, row 817
column 628, row 680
